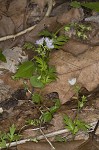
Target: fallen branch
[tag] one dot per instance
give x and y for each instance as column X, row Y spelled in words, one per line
column 50, row 4
column 16, row 35
column 41, row 137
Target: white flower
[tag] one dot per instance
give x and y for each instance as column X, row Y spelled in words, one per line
column 40, row 42
column 1, row 110
column 72, row 81
column 49, row 43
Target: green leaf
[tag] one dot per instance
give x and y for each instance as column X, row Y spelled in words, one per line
column 80, row 104
column 47, row 117
column 53, row 109
column 49, row 75
column 75, row 130
column 56, row 107
column 60, row 41
column 25, row 70
column 36, row 82
column 75, row 4
column 12, row 129
column 36, row 98
column 34, row 122
column 3, row 144
column 67, row 28
column 91, row 5
column 45, row 33
column 69, row 123
column 81, row 125
column 57, row 103
column 11, row 135
column 41, row 63
column 2, row 57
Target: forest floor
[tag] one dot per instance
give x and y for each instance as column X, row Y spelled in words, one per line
column 77, row 60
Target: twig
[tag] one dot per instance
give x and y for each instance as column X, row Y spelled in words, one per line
column 47, row 139
column 16, row 35
column 50, row 5
column 41, row 137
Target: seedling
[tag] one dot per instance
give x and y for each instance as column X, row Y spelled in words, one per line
column 48, row 115
column 80, row 29
column 34, row 122
column 74, row 125
column 9, row 137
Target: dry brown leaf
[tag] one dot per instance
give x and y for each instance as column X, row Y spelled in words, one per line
column 84, row 67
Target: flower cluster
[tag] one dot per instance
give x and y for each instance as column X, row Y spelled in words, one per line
column 48, row 42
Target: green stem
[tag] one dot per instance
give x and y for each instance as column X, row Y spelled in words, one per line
column 58, row 30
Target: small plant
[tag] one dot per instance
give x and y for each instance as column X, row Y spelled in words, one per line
column 9, row 137
column 82, row 102
column 74, row 125
column 38, row 70
column 48, row 115
column 34, row 122
column 12, row 136
column 58, row 41
column 76, row 87
column 36, row 98
column 3, row 140
column 80, row 29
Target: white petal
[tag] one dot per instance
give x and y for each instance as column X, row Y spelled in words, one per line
column 40, row 42
column 1, row 110
column 72, row 81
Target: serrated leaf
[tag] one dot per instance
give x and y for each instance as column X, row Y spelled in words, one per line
column 12, row 129
column 45, row 33
column 36, row 98
column 81, row 125
column 62, row 38
column 47, row 117
column 57, row 103
column 36, row 82
column 3, row 144
column 57, row 46
column 69, row 123
column 53, row 109
column 25, row 70
column 60, row 41
column 2, row 57
column 56, row 107
column 41, row 63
